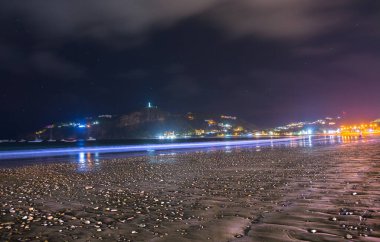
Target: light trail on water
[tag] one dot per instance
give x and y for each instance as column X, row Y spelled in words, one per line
column 137, row 148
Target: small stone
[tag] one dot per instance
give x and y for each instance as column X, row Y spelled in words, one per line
column 348, row 236
column 88, row 187
column 87, row 222
column 99, row 230
column 134, row 232
column 50, row 217
column 313, row 231
column 354, row 193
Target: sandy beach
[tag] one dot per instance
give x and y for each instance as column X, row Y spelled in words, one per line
column 319, row 193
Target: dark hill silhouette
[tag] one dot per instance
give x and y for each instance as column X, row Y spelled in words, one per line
column 146, row 123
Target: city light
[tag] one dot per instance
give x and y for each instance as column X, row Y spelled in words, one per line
column 360, row 129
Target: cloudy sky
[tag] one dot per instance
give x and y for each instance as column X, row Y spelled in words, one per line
column 267, row 61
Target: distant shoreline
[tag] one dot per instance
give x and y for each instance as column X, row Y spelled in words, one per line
column 41, row 151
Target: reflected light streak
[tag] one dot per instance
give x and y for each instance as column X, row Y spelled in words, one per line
column 136, row 148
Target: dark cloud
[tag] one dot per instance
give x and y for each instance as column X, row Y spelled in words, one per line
column 103, row 19
column 134, row 74
column 182, row 87
column 287, row 19
column 267, row 61
column 52, row 65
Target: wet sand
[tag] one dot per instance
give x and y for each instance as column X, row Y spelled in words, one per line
column 323, row 193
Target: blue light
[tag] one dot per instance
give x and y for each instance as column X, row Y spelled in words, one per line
column 81, row 157
column 135, row 148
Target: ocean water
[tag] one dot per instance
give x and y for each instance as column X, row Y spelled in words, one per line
column 82, row 153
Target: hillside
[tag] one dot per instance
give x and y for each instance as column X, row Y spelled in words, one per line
column 147, row 123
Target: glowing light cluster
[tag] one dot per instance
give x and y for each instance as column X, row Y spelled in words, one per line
column 371, row 128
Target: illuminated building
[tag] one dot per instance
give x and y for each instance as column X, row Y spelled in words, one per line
column 190, row 116
column 105, row 116
column 223, row 125
column 199, row 132
column 149, row 106
column 239, row 129
column 168, row 135
column 228, row 117
column 210, row 122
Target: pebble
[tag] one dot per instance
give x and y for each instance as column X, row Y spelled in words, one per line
column 348, row 236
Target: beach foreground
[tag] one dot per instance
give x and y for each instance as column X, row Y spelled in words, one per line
column 320, row 193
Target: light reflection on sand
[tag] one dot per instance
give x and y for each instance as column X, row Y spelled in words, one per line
column 87, row 161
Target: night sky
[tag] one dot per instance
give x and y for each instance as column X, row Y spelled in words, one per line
column 267, row 61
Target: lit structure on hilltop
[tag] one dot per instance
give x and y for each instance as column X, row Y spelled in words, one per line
column 150, row 106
